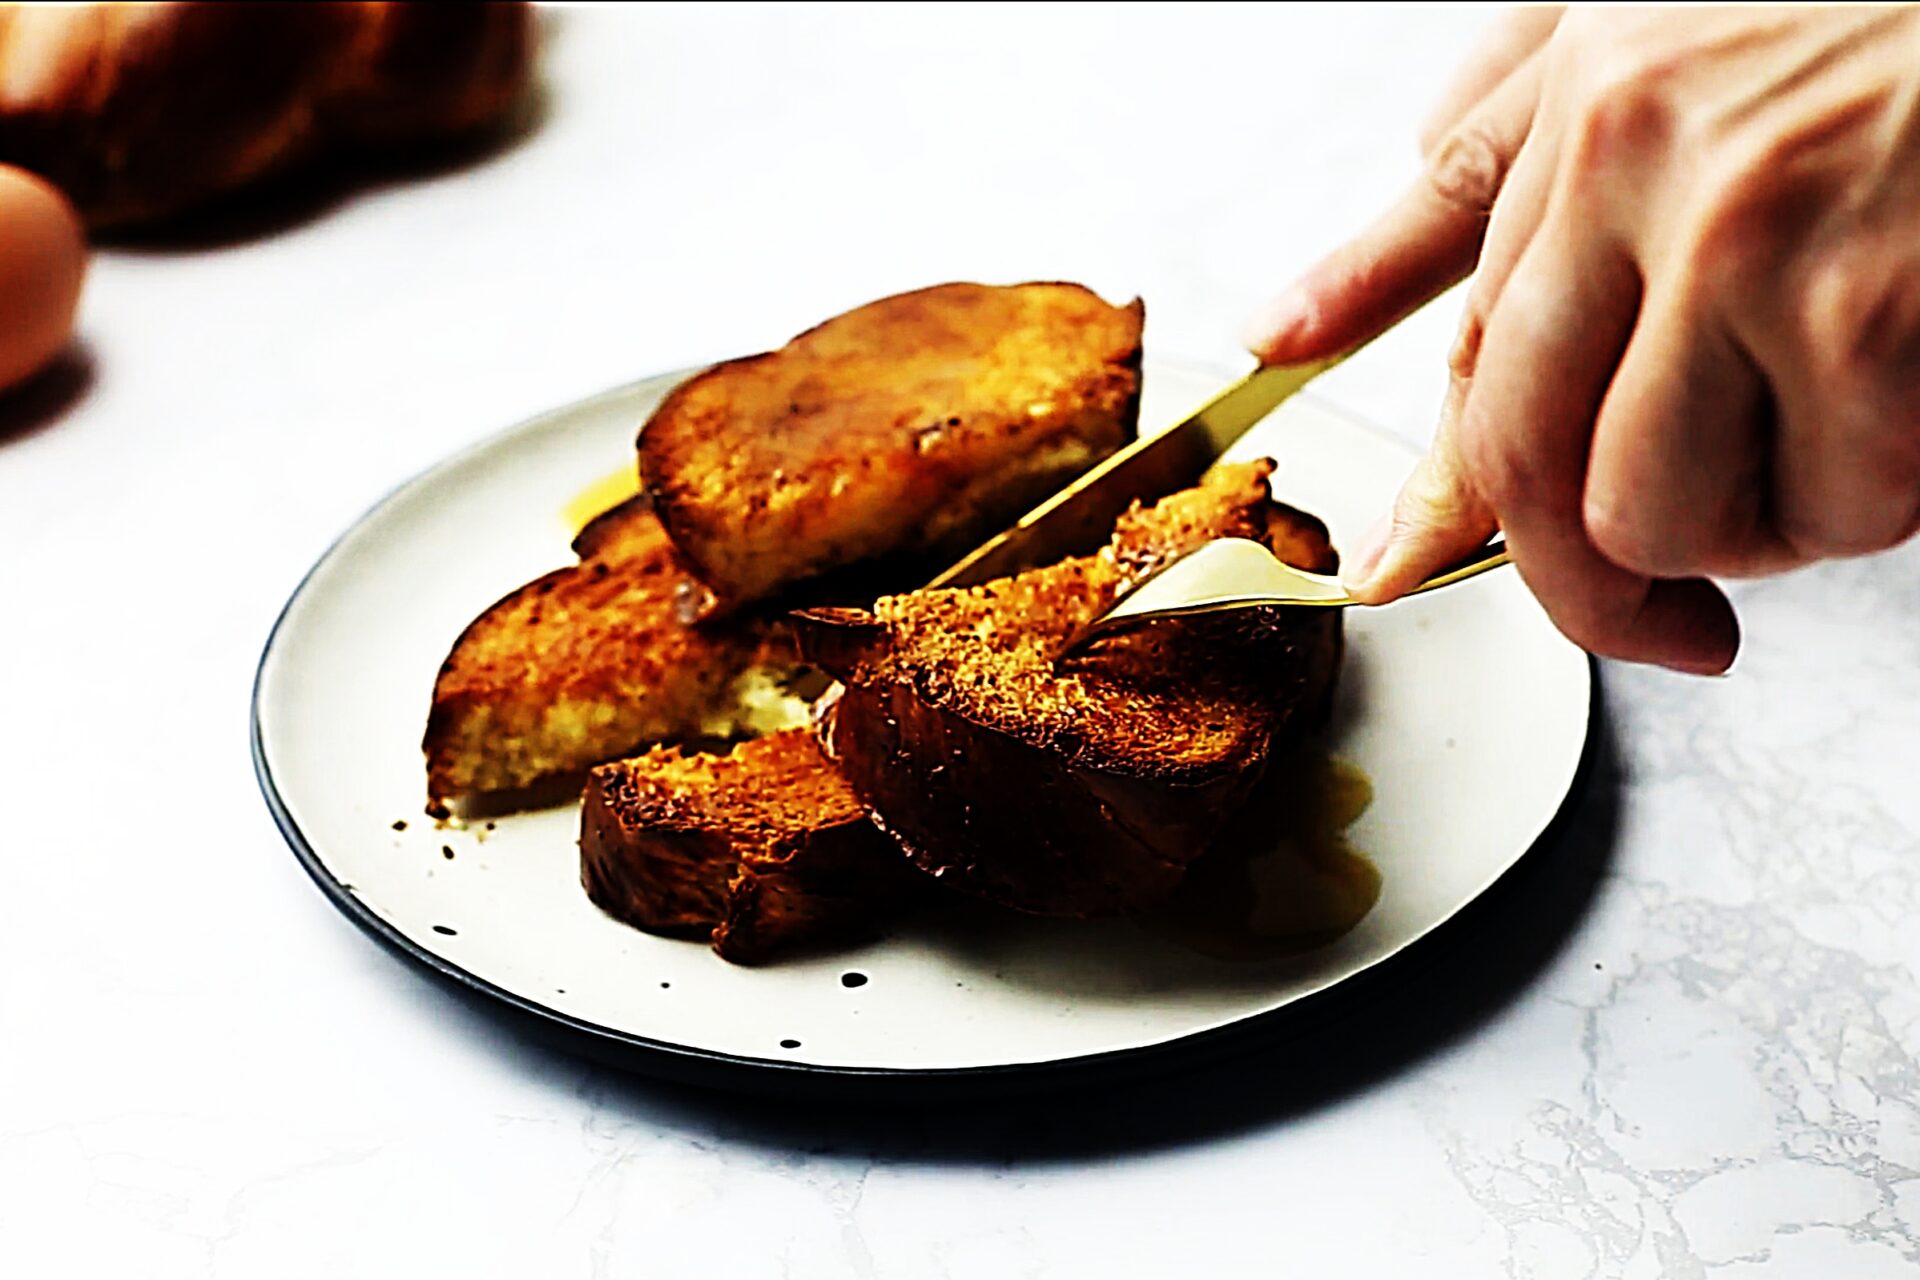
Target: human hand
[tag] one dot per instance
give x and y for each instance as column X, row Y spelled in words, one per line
column 1691, row 348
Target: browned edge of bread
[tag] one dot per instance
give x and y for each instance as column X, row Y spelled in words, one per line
column 586, row 664
column 825, row 464
column 1080, row 787
column 764, row 850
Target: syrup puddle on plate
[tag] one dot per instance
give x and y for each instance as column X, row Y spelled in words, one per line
column 601, row 496
column 1284, row 878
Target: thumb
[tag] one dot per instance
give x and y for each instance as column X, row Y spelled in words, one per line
column 1437, row 519
column 1423, row 245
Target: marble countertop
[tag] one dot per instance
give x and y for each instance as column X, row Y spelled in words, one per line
column 1682, row 1045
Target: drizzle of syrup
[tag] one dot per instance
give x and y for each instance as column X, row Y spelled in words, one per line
column 600, row 496
column 1284, row 878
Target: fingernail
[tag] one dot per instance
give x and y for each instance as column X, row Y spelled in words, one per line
column 1708, row 670
column 1366, row 556
column 1275, row 328
column 1716, row 667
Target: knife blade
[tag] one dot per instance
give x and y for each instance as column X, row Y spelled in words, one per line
column 1079, row 518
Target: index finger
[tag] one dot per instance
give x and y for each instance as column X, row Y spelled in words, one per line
column 1421, row 247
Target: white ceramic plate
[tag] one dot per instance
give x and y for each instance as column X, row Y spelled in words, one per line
column 1466, row 709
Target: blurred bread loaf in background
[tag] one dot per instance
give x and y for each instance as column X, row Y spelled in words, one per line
column 143, row 112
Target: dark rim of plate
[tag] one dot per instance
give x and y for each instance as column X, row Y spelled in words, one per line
column 706, row 1068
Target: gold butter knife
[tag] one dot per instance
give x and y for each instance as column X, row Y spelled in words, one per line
column 1080, row 517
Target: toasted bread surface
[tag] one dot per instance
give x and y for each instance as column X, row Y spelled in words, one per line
column 1077, row 786
column 585, row 664
column 762, row 849
column 918, row 422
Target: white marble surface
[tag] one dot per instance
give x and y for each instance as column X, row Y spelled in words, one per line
column 1684, row 1046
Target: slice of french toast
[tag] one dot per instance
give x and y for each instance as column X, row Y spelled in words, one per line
column 914, row 425
column 762, row 850
column 1083, row 785
column 588, row 663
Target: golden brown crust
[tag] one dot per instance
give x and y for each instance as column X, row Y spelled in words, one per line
column 835, row 883
column 647, row 859
column 598, row 661
column 1076, row 787
column 763, row 849
column 585, row 664
column 918, row 422
column 140, row 112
